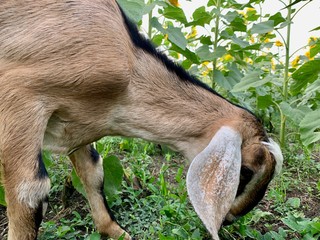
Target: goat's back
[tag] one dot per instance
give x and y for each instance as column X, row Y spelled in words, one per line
column 63, row 42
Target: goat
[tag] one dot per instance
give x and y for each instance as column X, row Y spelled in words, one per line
column 73, row 71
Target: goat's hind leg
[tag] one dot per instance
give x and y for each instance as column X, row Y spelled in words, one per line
column 88, row 165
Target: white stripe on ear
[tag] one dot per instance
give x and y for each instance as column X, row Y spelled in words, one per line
column 274, row 148
column 213, row 178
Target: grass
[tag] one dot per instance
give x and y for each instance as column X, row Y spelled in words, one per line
column 153, row 202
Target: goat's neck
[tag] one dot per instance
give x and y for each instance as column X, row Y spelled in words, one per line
column 161, row 107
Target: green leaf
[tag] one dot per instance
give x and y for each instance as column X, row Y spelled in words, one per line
column 255, row 46
column 315, row 29
column 206, row 40
column 264, row 102
column 292, row 223
column 76, row 182
column 204, row 53
column 113, row 174
column 314, row 50
column 263, row 27
column 277, row 18
column 157, row 39
column 155, row 23
column 307, row 73
column 2, row 196
column 294, row 114
column 180, row 232
column 238, row 24
column 95, row 236
column 239, row 42
column 134, row 9
column 220, row 79
column 230, row 16
column 294, row 202
column 176, row 36
column 219, row 52
column 251, row 80
column 252, row 16
column 201, row 17
column 234, row 75
column 175, row 13
column 310, row 128
column 187, row 53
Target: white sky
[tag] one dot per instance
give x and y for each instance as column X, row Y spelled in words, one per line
column 308, row 18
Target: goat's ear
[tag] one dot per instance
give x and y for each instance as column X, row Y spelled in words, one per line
column 213, row 178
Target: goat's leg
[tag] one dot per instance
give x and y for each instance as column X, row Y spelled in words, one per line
column 88, row 165
column 25, row 178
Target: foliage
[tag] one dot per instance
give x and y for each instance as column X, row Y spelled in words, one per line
column 239, row 53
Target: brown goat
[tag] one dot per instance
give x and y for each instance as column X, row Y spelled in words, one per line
column 73, row 71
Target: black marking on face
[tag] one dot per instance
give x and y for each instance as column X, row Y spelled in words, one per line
column 42, row 171
column 245, row 177
column 94, row 154
column 258, row 193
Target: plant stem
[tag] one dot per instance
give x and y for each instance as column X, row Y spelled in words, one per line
column 149, row 22
column 286, row 77
column 216, row 37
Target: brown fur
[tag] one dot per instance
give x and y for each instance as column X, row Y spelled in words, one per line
column 70, row 75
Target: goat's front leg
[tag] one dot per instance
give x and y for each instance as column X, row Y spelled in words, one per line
column 25, row 178
column 88, row 165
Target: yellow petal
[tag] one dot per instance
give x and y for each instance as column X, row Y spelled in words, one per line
column 175, row 3
column 278, row 43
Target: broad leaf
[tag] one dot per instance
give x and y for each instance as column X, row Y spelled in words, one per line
column 95, row 236
column 134, row 9
column 204, row 53
column 264, row 102
column 314, row 50
column 251, row 80
column 277, row 18
column 2, row 196
column 307, row 73
column 175, row 13
column 155, row 23
column 230, row 16
column 219, row 52
column 76, row 182
column 234, row 75
column 201, row 17
column 113, row 174
column 263, row 27
column 187, row 53
column 310, row 128
column 294, row 114
column 220, row 79
column 238, row 24
column 176, row 36
column 315, row 29
column 239, row 42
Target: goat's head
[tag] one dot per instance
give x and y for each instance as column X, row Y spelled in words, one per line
column 230, row 176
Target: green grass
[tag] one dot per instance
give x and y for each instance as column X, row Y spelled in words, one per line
column 153, row 202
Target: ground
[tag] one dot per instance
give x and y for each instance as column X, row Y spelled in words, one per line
column 292, row 197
